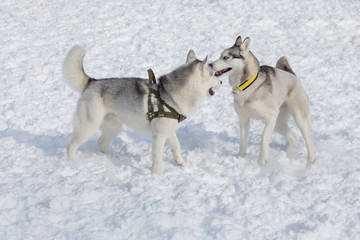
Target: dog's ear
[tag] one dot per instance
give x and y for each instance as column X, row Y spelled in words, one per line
column 204, row 64
column 238, row 41
column 205, row 60
column 245, row 46
column 204, row 68
column 191, row 56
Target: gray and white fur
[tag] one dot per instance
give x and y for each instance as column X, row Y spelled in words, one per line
column 275, row 95
column 107, row 104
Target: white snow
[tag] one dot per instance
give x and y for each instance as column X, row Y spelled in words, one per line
column 215, row 195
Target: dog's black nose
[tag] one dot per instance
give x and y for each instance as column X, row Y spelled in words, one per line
column 220, row 82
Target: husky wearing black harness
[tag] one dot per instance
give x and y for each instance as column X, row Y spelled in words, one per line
column 268, row 93
column 157, row 108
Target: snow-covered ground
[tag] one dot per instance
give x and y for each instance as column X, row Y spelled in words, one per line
column 215, row 195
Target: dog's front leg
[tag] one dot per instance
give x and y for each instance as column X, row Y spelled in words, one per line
column 244, row 135
column 158, row 142
column 265, row 141
column 175, row 148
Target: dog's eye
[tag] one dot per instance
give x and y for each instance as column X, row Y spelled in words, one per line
column 225, row 57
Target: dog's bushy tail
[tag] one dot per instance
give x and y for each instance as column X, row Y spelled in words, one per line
column 73, row 70
column 283, row 64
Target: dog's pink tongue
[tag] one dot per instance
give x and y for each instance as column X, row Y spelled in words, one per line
column 211, row 91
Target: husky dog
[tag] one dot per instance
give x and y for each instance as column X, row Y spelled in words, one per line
column 268, row 93
column 109, row 103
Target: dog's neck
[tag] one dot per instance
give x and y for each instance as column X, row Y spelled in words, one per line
column 250, row 68
column 184, row 101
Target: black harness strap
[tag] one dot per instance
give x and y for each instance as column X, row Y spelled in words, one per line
column 160, row 103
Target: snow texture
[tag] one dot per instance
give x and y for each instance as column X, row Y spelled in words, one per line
column 215, row 195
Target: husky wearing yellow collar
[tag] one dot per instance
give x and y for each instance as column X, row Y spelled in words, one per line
column 143, row 105
column 268, row 93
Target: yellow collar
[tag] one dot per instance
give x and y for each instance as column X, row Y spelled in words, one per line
column 246, row 84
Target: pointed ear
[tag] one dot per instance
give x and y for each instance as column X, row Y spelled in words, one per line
column 238, row 41
column 204, row 63
column 245, row 46
column 205, row 60
column 191, row 56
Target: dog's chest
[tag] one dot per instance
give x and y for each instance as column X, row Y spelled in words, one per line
column 248, row 106
column 240, row 100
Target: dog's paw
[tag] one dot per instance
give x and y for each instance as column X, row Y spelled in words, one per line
column 310, row 161
column 241, row 153
column 156, row 169
column 263, row 161
column 70, row 153
column 104, row 148
column 289, row 148
column 180, row 161
column 291, row 137
column 106, row 151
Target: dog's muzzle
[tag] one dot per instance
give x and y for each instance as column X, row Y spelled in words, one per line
column 221, row 72
column 211, row 91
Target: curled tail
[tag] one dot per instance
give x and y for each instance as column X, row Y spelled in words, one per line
column 283, row 64
column 73, row 70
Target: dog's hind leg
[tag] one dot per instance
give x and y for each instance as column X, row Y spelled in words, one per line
column 110, row 128
column 86, row 122
column 175, row 148
column 283, row 128
column 301, row 113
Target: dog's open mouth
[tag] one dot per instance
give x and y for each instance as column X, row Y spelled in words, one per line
column 211, row 91
column 221, row 72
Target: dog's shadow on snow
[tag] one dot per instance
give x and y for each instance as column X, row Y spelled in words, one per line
column 125, row 146
column 191, row 137
column 195, row 136
column 50, row 144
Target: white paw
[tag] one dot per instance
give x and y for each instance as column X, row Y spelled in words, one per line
column 310, row 161
column 105, row 150
column 289, row 148
column 157, row 169
column 263, row 161
column 70, row 153
column 242, row 153
column 180, row 161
